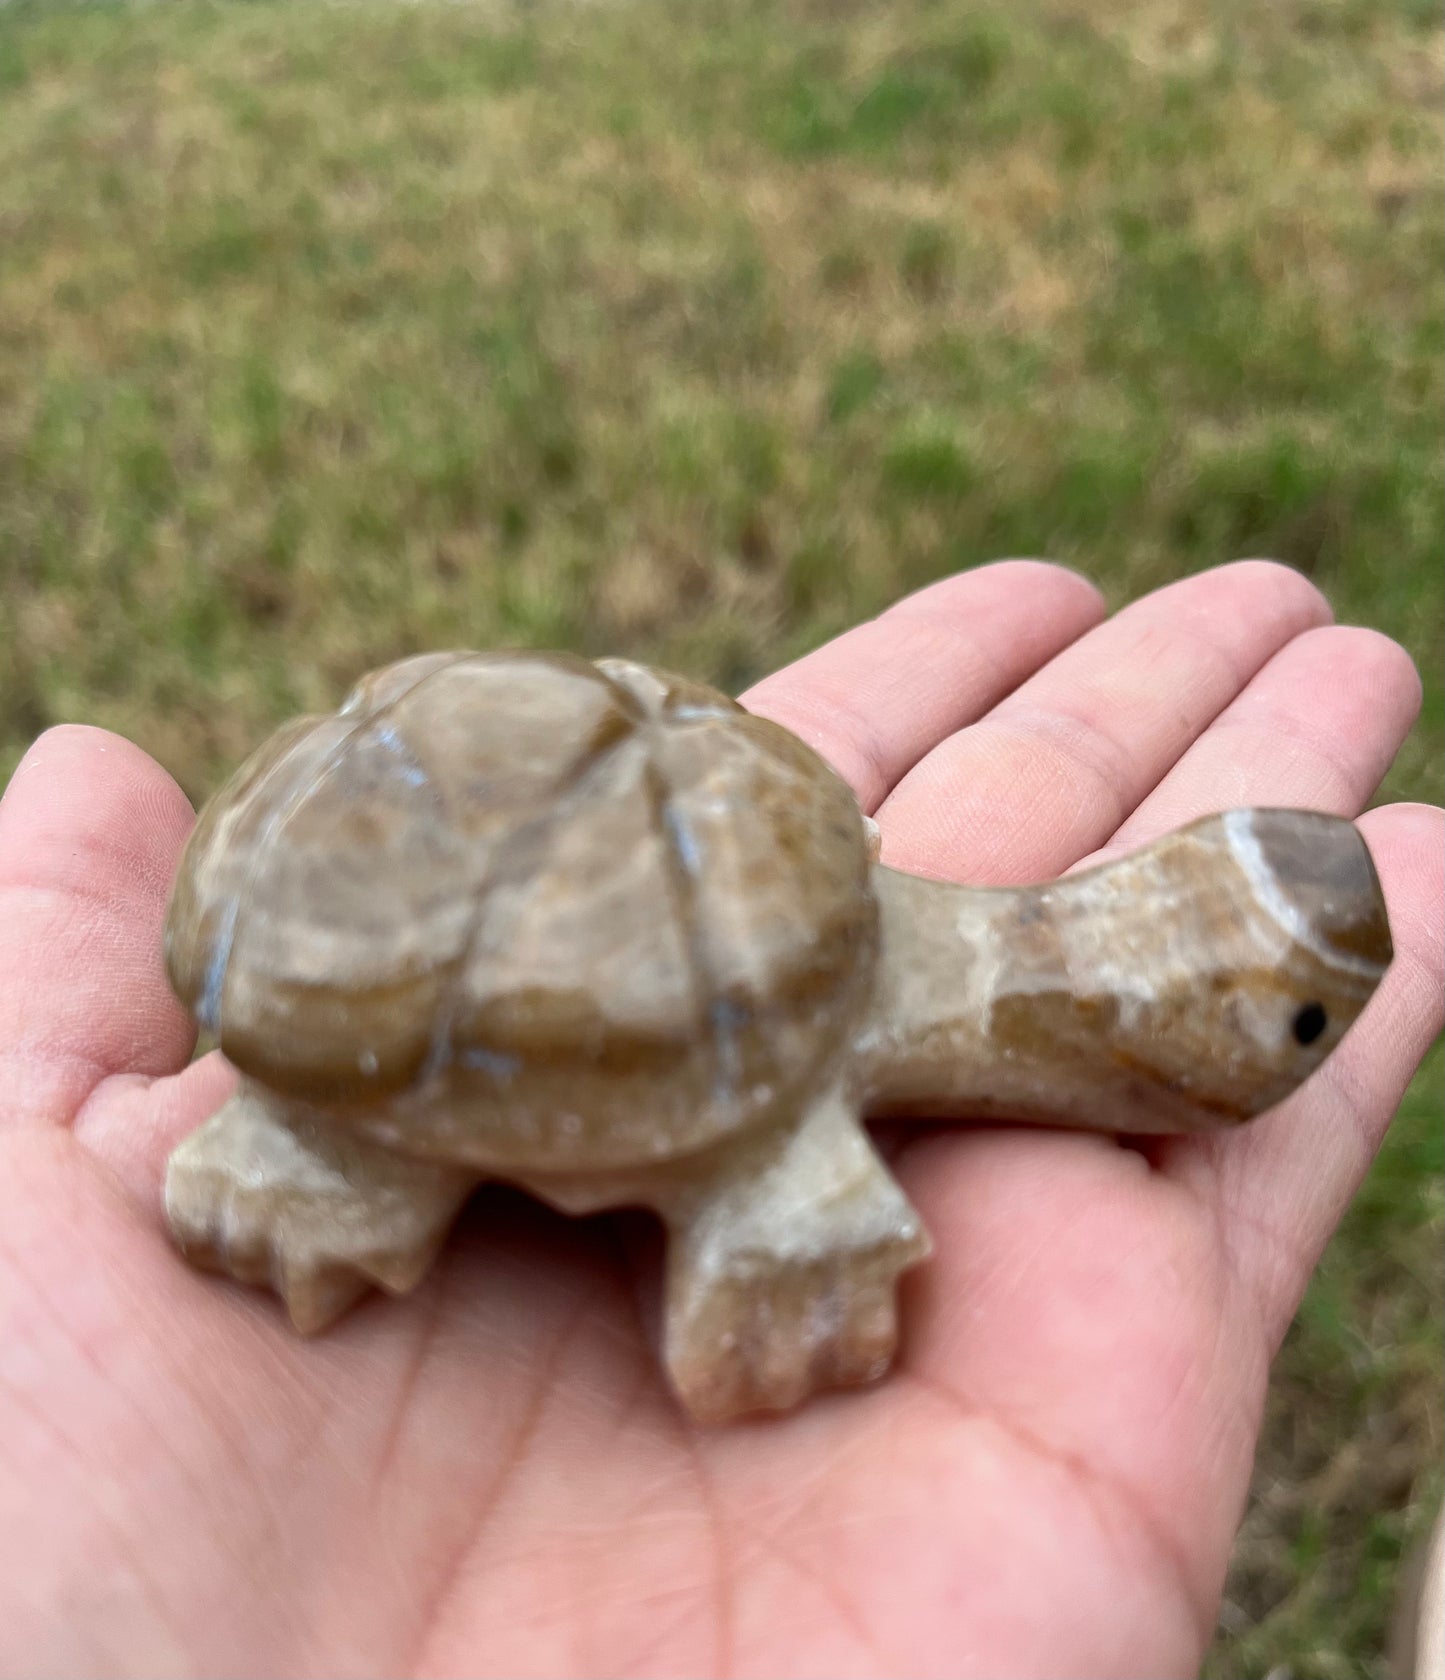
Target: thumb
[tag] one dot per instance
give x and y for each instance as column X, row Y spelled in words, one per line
column 91, row 828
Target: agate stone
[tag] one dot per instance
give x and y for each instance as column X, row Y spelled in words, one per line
column 595, row 930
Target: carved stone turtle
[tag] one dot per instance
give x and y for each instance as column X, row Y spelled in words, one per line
column 596, row 930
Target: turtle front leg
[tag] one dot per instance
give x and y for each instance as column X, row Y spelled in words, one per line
column 783, row 1268
column 313, row 1211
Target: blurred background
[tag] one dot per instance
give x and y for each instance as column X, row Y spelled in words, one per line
column 697, row 332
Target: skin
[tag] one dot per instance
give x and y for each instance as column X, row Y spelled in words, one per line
column 489, row 1477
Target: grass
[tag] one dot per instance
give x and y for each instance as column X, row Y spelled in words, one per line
column 327, row 334
column 1350, row 1463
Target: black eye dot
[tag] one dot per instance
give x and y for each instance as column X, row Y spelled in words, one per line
column 1310, row 1023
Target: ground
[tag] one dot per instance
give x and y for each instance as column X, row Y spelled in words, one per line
column 327, row 334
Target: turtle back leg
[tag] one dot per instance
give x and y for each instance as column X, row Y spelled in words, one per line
column 273, row 1197
column 783, row 1267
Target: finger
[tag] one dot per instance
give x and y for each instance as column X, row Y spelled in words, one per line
column 90, row 830
column 1317, row 728
column 1055, row 769
column 1280, row 1185
column 876, row 699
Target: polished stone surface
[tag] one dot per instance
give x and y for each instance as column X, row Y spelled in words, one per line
column 596, row 930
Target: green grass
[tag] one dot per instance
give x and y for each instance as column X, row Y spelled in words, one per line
column 699, row 332
column 1349, row 1472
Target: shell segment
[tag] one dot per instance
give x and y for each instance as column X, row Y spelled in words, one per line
column 496, row 871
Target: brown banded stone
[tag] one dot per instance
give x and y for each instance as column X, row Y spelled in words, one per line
column 596, row 930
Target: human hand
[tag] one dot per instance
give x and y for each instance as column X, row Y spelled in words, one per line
column 489, row 1477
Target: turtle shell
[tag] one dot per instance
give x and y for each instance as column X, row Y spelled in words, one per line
column 524, row 909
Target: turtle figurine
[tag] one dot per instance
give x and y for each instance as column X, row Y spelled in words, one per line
column 596, row 930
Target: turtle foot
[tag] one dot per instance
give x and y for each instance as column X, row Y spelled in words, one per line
column 782, row 1274
column 309, row 1210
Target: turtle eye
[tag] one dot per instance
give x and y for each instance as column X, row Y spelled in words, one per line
column 1309, row 1023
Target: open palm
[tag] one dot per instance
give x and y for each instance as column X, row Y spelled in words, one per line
column 489, row 1477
